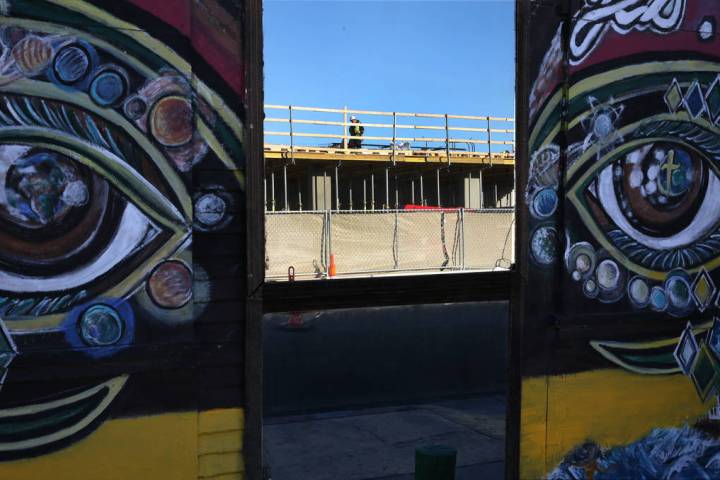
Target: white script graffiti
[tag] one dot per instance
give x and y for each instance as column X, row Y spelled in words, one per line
column 623, row 16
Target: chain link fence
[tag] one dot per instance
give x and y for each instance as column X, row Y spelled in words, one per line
column 385, row 241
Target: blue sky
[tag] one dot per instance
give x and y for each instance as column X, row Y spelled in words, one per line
column 429, row 56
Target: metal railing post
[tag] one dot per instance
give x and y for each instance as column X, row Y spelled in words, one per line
column 393, row 137
column 292, row 136
column 489, row 145
column 447, row 140
column 344, row 129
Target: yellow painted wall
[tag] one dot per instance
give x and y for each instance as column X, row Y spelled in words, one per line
column 609, row 407
column 173, row 446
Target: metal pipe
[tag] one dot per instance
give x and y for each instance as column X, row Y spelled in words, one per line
column 350, row 194
column 422, row 192
column 482, row 194
column 285, row 187
column 387, row 188
column 299, row 185
column 272, row 190
column 397, row 197
column 364, row 194
column 265, row 191
column 437, row 177
column 372, row 191
column 325, row 190
column 496, row 196
column 337, row 188
column 469, row 189
column 412, row 191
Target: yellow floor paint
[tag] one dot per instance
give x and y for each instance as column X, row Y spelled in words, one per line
column 610, row 407
column 154, row 447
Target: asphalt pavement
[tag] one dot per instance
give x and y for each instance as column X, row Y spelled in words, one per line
column 379, row 443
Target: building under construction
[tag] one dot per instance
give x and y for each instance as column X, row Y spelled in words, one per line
column 420, row 159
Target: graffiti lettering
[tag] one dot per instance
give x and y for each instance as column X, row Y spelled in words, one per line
column 623, row 16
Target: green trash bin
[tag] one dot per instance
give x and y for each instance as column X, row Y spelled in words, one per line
column 435, row 462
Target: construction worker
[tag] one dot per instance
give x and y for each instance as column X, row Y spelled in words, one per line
column 356, row 130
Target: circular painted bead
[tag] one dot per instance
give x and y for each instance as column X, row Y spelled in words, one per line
column 171, row 121
column 101, row 325
column 107, row 88
column 71, row 64
column 170, row 284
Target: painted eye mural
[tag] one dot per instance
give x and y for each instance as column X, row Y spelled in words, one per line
column 121, row 153
column 621, row 377
column 639, row 167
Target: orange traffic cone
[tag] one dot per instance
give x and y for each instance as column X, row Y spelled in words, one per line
column 332, row 271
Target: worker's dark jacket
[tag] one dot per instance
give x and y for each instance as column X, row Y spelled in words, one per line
column 357, row 130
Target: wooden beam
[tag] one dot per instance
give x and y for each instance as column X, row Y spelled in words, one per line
column 383, row 291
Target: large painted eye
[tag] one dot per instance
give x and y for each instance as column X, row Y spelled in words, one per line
column 652, row 203
column 660, row 201
column 77, row 213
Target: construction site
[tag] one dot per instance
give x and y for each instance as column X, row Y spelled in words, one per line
column 361, row 193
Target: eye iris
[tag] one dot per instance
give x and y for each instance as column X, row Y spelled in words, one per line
column 40, row 188
column 659, row 187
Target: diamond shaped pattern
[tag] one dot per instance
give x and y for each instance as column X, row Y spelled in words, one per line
column 8, row 351
column 704, row 372
column 695, row 100
column 703, row 290
column 686, row 350
column 712, row 100
column 674, row 96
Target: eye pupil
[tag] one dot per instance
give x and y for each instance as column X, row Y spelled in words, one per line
column 40, row 188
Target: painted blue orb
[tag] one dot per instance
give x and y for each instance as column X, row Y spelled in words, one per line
column 545, row 203
column 71, row 64
column 658, row 299
column 544, row 245
column 101, row 325
column 107, row 88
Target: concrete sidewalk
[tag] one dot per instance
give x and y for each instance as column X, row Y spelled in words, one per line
column 379, row 443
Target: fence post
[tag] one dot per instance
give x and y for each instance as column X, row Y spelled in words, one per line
column 396, row 240
column 462, row 239
column 344, row 128
column 328, row 239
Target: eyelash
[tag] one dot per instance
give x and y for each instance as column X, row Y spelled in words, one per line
column 58, row 117
column 665, row 259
